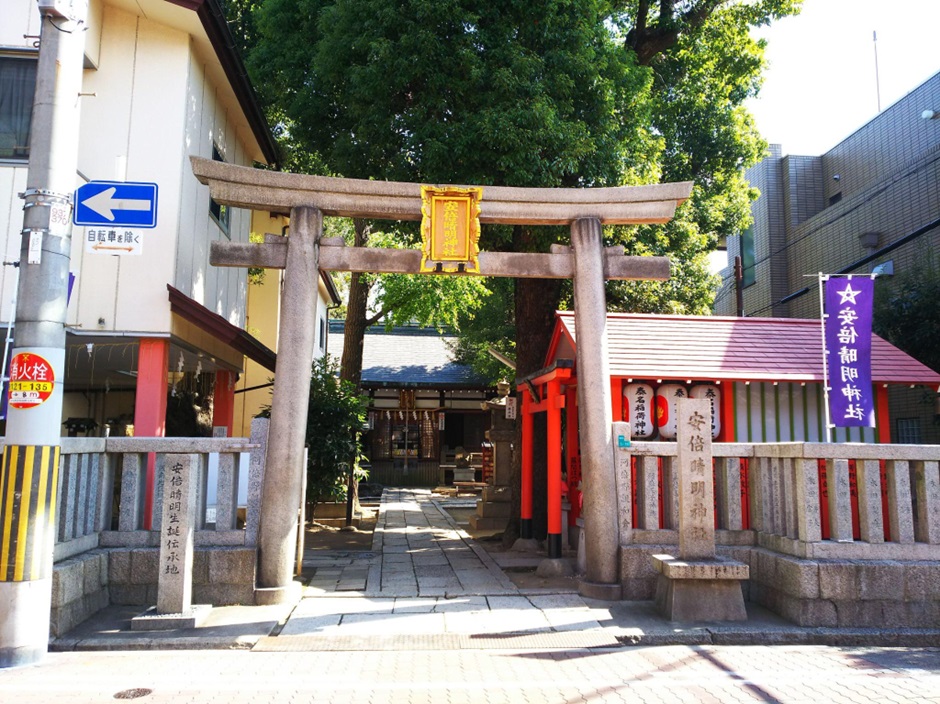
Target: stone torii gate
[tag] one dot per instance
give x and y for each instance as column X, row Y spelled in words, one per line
column 308, row 198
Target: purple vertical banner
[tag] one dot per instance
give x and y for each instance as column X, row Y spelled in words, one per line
column 848, row 349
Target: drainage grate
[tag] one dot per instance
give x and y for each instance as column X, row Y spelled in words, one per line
column 135, row 693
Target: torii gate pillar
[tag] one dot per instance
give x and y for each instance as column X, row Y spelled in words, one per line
column 601, row 579
column 284, row 470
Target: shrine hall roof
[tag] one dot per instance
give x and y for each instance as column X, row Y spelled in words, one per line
column 721, row 348
column 408, row 357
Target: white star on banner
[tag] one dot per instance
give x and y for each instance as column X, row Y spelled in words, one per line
column 848, row 294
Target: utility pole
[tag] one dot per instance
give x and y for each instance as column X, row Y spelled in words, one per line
column 31, row 455
column 739, row 286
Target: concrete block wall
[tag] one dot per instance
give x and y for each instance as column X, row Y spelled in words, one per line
column 79, row 590
column 221, row 575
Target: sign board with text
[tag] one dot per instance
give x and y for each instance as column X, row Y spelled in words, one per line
column 32, row 380
column 116, row 204
column 111, row 240
column 450, row 229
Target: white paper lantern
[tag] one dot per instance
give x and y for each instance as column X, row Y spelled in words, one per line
column 713, row 394
column 640, row 407
column 666, row 397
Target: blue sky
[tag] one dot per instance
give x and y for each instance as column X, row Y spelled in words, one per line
column 821, row 83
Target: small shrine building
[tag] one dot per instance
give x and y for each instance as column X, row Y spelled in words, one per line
column 764, row 377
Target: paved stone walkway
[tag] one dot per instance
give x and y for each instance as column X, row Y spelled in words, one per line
column 417, row 550
column 426, row 577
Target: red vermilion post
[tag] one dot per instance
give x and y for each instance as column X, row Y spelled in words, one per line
column 881, row 413
column 727, row 412
column 153, row 358
column 223, row 401
column 554, row 404
column 525, row 513
column 572, row 454
column 616, row 397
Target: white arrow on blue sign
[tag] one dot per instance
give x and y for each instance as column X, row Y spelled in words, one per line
column 116, row 203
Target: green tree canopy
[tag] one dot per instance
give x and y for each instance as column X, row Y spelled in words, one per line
column 336, row 416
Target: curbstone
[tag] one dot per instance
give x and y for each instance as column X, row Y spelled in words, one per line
column 128, row 594
column 798, row 578
column 91, row 568
column 201, row 567
column 232, row 566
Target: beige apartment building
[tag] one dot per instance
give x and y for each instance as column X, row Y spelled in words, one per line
column 869, row 204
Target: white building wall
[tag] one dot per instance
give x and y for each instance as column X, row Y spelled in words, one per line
column 12, row 182
column 19, row 18
column 154, row 107
column 130, row 131
column 207, row 122
column 19, row 30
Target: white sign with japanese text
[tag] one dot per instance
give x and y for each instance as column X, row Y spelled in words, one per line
column 113, row 240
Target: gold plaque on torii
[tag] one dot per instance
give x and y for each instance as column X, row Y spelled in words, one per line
column 450, row 229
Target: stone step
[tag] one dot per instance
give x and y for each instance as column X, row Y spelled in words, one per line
column 497, row 494
column 497, row 510
column 487, row 522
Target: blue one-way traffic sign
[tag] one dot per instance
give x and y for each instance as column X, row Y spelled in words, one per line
column 116, row 203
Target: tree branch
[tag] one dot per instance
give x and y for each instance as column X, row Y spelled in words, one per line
column 642, row 13
column 648, row 41
column 372, row 320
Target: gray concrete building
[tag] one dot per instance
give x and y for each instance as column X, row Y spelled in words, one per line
column 869, row 204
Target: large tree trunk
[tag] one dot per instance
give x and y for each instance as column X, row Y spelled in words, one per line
column 356, row 314
column 353, row 339
column 535, row 304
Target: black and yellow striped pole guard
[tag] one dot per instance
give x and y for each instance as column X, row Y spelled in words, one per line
column 28, row 480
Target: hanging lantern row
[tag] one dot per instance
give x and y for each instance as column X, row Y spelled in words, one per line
column 649, row 411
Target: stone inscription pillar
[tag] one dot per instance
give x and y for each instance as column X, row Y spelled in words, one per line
column 696, row 490
column 284, row 465
column 699, row 585
column 601, row 579
column 175, row 578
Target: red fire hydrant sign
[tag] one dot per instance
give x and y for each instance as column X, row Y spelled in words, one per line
column 31, row 380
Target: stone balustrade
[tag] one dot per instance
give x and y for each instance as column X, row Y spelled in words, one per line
column 102, row 491
column 815, row 500
column 834, row 533
column 103, row 551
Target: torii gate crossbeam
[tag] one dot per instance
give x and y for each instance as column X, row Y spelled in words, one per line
column 308, row 198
